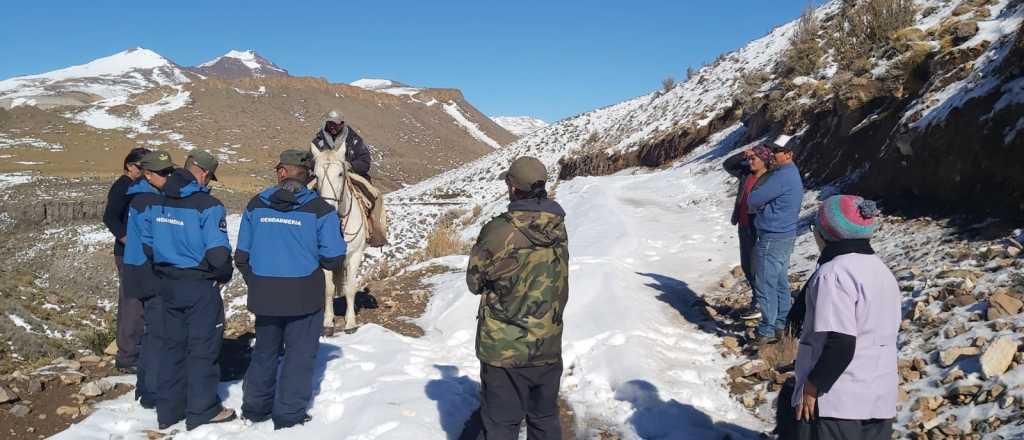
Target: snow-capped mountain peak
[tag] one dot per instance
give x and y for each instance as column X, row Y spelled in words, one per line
column 118, row 75
column 240, row 64
column 116, row 64
column 520, row 125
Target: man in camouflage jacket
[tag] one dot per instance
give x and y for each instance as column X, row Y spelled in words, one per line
column 520, row 268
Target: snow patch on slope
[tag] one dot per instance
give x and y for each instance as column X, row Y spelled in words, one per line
column 473, row 128
column 519, row 125
column 386, row 86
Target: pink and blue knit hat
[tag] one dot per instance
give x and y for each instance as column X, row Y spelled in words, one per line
column 846, row 217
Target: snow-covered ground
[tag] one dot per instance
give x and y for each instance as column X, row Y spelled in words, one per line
column 520, row 125
column 643, row 247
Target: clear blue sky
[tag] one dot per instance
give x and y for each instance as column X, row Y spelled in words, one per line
column 550, row 59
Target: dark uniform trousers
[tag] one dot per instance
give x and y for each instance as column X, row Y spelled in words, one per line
column 193, row 329
column 507, row 395
column 129, row 322
column 150, row 352
column 300, row 338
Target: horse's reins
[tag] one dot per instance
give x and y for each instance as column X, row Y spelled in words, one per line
column 346, row 187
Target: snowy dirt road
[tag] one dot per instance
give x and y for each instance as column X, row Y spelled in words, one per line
column 637, row 361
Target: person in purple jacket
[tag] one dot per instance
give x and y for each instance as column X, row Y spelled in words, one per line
column 846, row 374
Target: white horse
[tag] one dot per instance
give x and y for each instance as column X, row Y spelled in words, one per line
column 335, row 188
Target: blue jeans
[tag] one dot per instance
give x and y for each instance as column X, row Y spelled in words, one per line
column 771, row 282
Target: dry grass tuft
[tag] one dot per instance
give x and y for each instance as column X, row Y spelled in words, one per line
column 780, row 354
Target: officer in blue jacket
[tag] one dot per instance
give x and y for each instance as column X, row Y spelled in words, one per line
column 288, row 234
column 140, row 282
column 192, row 259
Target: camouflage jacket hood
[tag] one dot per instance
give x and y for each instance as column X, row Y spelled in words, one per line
column 519, row 266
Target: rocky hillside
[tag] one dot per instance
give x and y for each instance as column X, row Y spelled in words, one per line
column 925, row 108
column 80, row 120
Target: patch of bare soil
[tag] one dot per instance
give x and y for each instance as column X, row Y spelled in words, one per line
column 52, row 398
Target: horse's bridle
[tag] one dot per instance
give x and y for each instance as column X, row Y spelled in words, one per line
column 351, row 198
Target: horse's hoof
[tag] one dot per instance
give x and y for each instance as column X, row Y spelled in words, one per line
column 352, row 330
column 328, row 332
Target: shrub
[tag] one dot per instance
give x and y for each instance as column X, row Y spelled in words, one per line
column 780, row 354
column 690, row 73
column 865, row 27
column 97, row 340
column 444, row 240
column 803, row 56
column 667, row 84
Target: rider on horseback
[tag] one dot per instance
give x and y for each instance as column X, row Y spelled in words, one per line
column 336, row 134
column 333, row 130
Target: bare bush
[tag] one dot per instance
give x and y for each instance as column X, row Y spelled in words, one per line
column 667, row 84
column 803, row 56
column 444, row 240
column 865, row 27
column 690, row 73
column 780, row 354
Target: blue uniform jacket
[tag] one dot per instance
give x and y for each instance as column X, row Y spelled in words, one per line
column 188, row 227
column 140, row 282
column 284, row 241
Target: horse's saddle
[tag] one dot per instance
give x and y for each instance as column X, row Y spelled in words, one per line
column 373, row 205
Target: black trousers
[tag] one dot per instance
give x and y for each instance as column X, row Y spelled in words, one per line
column 788, row 428
column 150, row 357
column 300, row 338
column 129, row 323
column 508, row 395
column 193, row 331
column 824, row 428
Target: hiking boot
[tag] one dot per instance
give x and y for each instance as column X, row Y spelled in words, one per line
column 763, row 340
column 252, row 418
column 125, row 370
column 163, row 426
column 751, row 316
column 225, row 415
column 304, row 420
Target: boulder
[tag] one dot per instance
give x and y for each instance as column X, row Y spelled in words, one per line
column 998, row 356
column 963, row 31
column 730, row 342
column 949, row 356
column 7, row 395
column 963, row 274
column 68, row 411
column 90, row 359
column 1002, row 305
column 737, row 272
column 20, row 410
column 111, row 349
column 747, row 369
column 96, row 388
column 35, row 386
column 728, row 283
column 71, row 378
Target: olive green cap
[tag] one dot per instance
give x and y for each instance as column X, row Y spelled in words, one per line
column 157, row 160
column 204, row 160
column 297, row 158
column 525, row 172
